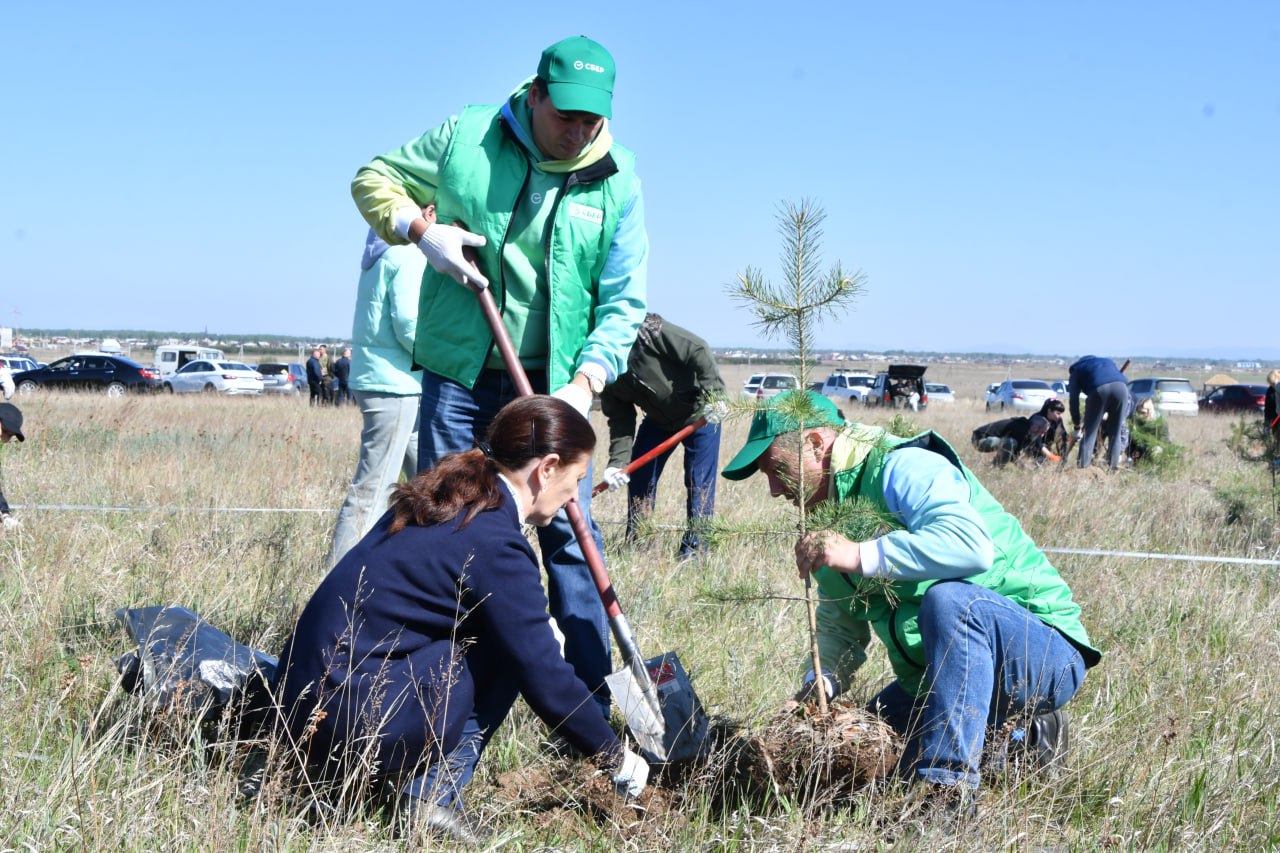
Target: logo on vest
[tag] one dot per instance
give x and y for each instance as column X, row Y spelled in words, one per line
column 592, row 214
column 536, row 198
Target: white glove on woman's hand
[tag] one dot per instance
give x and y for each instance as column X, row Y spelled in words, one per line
column 829, row 686
column 576, row 396
column 632, row 774
column 615, row 478
column 10, row 523
column 442, row 244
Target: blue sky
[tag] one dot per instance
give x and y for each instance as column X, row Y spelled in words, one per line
column 1029, row 177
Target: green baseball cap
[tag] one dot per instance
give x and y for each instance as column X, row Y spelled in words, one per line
column 579, row 74
column 779, row 416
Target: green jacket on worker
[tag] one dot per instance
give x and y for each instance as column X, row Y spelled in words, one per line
column 671, row 374
column 554, row 268
column 852, row 607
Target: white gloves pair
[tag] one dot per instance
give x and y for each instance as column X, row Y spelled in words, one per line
column 631, row 775
column 9, row 522
column 715, row 411
column 443, row 244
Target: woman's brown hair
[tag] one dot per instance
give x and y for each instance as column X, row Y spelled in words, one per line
column 526, row 428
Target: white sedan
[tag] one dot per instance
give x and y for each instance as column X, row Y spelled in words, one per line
column 228, row 377
column 1029, row 394
column 939, row 393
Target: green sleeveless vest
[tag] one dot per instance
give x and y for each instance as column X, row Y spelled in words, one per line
column 1019, row 572
column 482, row 174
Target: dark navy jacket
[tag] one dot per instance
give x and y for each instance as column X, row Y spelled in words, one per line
column 407, row 628
column 1090, row 372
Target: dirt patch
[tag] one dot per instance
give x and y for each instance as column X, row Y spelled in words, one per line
column 801, row 757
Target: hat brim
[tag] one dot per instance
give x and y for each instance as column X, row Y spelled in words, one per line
column 574, row 97
column 746, row 462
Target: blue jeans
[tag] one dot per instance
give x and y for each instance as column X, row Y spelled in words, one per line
column 452, row 420
column 987, row 660
column 701, row 454
column 388, row 448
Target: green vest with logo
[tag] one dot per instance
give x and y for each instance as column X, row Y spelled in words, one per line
column 482, row 175
column 1019, row 572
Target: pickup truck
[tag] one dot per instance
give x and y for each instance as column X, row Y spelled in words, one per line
column 847, row 386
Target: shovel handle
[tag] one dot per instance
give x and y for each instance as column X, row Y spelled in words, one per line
column 662, row 448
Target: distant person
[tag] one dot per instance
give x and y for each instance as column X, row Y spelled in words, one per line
column 326, row 380
column 10, row 427
column 387, row 388
column 342, row 378
column 1012, row 439
column 1056, row 438
column 425, row 633
column 1270, row 414
column 1106, row 393
column 671, row 377
column 315, row 377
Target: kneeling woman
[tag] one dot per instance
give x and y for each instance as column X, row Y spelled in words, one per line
column 426, row 630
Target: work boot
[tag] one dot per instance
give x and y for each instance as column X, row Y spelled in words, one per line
column 1048, row 739
column 442, row 821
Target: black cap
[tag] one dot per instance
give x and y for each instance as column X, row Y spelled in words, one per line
column 11, row 419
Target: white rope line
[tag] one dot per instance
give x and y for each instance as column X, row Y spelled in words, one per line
column 1080, row 552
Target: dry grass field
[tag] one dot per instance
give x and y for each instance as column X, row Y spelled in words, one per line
column 1173, row 735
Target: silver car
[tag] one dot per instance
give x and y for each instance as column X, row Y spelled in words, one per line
column 1171, row 395
column 227, row 377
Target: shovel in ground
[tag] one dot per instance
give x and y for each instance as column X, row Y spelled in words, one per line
column 656, row 697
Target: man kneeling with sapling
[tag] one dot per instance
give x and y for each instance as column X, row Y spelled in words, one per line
column 979, row 628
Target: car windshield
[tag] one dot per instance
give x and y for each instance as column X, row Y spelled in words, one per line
column 937, row 389
column 272, row 369
column 1030, row 385
column 779, row 382
column 861, row 381
column 1179, row 386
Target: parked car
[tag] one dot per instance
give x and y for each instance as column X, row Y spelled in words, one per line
column 18, row 363
column 1027, row 394
column 762, row 386
column 283, row 377
column 227, row 377
column 990, row 395
column 845, row 385
column 1059, row 387
column 939, row 393
column 1169, row 395
column 895, row 386
column 1235, row 398
column 113, row 374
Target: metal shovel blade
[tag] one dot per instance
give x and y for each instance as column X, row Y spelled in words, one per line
column 677, row 729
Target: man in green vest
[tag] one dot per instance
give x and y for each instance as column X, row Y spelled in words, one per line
column 548, row 208
column 979, row 628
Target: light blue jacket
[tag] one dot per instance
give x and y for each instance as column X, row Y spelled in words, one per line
column 386, row 316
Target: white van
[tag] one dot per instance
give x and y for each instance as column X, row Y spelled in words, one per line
column 172, row 356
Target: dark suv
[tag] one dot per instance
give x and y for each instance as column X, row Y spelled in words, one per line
column 282, row 377
column 895, row 386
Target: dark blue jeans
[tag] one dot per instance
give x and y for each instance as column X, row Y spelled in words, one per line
column 987, row 660
column 701, row 454
column 453, row 419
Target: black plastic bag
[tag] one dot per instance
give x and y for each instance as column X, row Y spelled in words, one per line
column 183, row 663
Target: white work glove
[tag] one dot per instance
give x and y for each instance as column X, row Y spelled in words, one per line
column 807, row 687
column 1079, row 435
column 576, row 396
column 631, row 775
column 442, row 244
column 715, row 411
column 10, row 523
column 615, row 478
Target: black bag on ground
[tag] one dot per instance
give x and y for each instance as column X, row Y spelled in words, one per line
column 185, row 664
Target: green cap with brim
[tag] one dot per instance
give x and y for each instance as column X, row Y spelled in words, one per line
column 579, row 74
column 779, row 416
